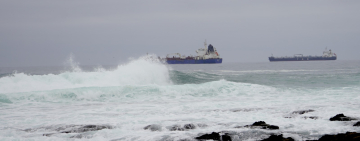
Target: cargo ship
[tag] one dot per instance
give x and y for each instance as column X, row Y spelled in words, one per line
column 327, row 55
column 206, row 55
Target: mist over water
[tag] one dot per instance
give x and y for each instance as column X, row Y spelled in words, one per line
column 213, row 97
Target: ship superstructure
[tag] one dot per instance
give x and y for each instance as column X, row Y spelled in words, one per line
column 206, row 55
column 327, row 55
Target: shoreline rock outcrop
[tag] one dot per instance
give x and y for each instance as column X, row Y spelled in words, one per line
column 341, row 117
column 212, row 136
column 348, row 136
column 357, row 124
column 278, row 138
column 262, row 125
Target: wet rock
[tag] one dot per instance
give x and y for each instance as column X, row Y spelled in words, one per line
column 179, row 128
column 302, row 111
column 212, row 136
column 176, row 128
column 272, row 127
column 75, row 128
column 262, row 125
column 90, row 126
column 87, row 128
column 185, row 140
column 341, row 117
column 48, row 134
column 278, row 138
column 226, row 137
column 357, row 124
column 311, row 117
column 348, row 136
column 63, row 127
column 153, row 127
column 189, row 126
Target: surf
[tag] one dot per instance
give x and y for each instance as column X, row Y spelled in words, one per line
column 141, row 71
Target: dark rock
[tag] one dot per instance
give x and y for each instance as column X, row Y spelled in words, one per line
column 185, row 140
column 90, row 126
column 176, row 128
column 48, row 134
column 271, row 127
column 87, row 128
column 303, row 111
column 226, row 137
column 348, row 136
column 153, row 127
column 212, row 136
column 341, row 117
column 63, row 127
column 259, row 123
column 311, row 117
column 189, row 126
column 262, row 125
column 278, row 138
column 357, row 124
column 74, row 129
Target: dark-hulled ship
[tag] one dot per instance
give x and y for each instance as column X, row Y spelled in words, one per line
column 207, row 55
column 327, row 55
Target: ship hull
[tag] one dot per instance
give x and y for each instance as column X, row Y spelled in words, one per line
column 273, row 59
column 193, row 61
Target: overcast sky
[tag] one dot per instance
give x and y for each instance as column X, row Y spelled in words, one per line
column 45, row 33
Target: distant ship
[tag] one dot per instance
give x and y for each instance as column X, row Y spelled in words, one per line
column 327, row 55
column 207, row 55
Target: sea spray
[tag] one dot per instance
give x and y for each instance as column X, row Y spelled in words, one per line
column 141, row 71
column 74, row 66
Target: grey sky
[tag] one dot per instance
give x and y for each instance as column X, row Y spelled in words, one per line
column 43, row 33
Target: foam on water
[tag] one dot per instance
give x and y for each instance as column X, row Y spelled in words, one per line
column 142, row 71
column 142, row 92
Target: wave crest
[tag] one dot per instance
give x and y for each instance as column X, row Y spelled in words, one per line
column 141, row 71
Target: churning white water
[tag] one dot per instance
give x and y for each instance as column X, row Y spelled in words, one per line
column 214, row 98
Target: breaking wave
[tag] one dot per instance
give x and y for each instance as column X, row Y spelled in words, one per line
column 142, row 71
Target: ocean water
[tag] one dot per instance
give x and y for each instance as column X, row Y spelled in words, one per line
column 42, row 103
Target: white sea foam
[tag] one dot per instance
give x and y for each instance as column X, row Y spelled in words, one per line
column 141, row 71
column 220, row 105
column 140, row 93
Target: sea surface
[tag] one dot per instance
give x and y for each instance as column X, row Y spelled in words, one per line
column 120, row 102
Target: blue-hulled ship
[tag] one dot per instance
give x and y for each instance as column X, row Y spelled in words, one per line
column 207, row 55
column 327, row 55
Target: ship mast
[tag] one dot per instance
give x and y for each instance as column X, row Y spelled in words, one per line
column 205, row 44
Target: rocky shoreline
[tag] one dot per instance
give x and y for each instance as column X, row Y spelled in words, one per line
column 348, row 136
column 228, row 136
column 258, row 126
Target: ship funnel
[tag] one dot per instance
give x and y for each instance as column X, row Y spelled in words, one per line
column 211, row 48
